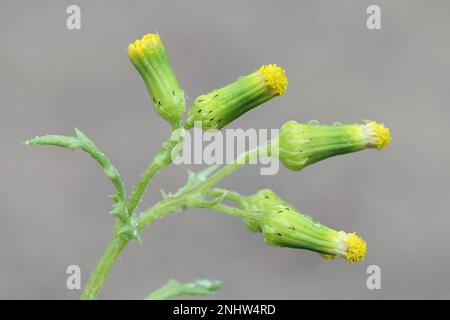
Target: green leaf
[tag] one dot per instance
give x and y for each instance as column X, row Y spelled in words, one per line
column 194, row 179
column 173, row 288
column 130, row 231
column 81, row 141
column 200, row 201
column 67, row 142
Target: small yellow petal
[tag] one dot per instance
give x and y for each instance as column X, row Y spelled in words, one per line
column 381, row 137
column 275, row 77
column 356, row 248
column 149, row 41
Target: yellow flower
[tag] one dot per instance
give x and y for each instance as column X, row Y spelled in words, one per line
column 377, row 134
column 275, row 78
column 221, row 106
column 301, row 145
column 149, row 57
column 283, row 226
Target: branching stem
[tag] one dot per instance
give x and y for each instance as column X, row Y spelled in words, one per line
column 164, row 207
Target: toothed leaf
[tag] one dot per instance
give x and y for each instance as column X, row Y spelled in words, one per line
column 173, row 288
column 81, row 141
column 201, row 202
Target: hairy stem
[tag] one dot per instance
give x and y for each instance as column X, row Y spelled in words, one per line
column 174, row 288
column 242, row 160
column 98, row 276
column 160, row 209
column 232, row 196
column 118, row 243
column 170, row 290
column 232, row 211
column 161, row 160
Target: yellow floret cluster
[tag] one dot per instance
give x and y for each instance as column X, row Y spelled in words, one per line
column 382, row 135
column 356, row 248
column 275, row 78
column 149, row 41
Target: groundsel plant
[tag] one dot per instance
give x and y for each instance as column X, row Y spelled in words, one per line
column 297, row 146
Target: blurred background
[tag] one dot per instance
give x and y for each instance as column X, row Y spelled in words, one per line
column 54, row 204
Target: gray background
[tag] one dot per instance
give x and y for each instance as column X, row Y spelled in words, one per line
column 53, row 203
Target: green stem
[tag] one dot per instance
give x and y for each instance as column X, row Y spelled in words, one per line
column 98, row 276
column 170, row 290
column 162, row 159
column 232, row 196
column 232, row 211
column 160, row 209
column 242, row 160
column 174, row 288
column 118, row 243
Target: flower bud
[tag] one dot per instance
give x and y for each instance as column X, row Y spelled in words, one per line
column 221, row 106
column 303, row 144
column 149, row 57
column 283, row 226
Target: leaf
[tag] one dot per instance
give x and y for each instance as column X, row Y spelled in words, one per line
column 81, row 141
column 201, row 202
column 173, row 288
column 194, row 179
column 67, row 142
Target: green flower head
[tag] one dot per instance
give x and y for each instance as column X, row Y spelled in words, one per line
column 283, row 226
column 149, row 57
column 303, row 144
column 221, row 106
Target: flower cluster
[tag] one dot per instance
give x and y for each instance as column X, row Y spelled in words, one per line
column 149, row 57
column 297, row 146
column 221, row 106
column 283, row 226
column 303, row 144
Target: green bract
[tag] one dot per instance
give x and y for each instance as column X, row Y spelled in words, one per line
column 283, row 226
column 301, row 145
column 149, row 57
column 218, row 108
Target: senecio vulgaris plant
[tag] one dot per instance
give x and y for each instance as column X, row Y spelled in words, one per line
column 297, row 146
